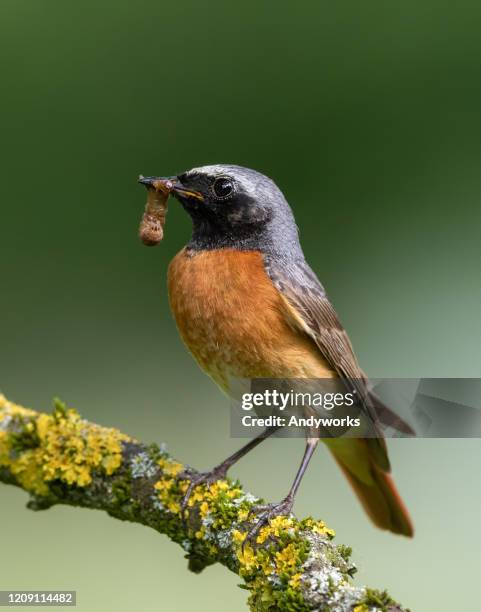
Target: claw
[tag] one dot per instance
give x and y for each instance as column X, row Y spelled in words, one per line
column 202, row 478
column 257, row 509
column 269, row 511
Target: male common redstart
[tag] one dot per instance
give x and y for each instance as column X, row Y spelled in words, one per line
column 248, row 306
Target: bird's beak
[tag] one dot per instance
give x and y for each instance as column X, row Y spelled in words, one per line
column 171, row 184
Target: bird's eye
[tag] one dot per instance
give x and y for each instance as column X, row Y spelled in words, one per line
column 222, row 187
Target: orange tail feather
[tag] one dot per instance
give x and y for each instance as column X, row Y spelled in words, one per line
column 380, row 500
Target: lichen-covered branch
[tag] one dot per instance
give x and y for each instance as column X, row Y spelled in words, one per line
column 293, row 565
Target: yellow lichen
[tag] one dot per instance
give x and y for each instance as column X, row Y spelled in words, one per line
column 243, row 514
column 267, row 564
column 27, row 469
column 210, row 497
column 276, row 526
column 238, row 536
column 8, row 408
column 170, row 468
column 295, row 581
column 169, row 490
column 197, row 496
column 287, row 558
column 173, row 507
column 204, row 509
column 4, row 448
column 163, row 485
column 247, row 559
column 319, row 527
column 41, row 447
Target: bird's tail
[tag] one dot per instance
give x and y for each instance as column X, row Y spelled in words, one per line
column 374, row 487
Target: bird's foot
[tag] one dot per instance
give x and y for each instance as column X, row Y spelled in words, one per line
column 265, row 514
column 218, row 473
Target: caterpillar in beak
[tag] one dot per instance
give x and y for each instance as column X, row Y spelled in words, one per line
column 151, row 230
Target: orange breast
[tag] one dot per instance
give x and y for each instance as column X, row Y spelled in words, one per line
column 235, row 322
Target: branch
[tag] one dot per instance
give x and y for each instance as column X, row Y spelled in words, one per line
column 294, row 565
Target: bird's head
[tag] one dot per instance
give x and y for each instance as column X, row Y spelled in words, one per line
column 234, row 207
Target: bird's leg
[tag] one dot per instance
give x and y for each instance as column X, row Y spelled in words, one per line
column 220, row 470
column 284, row 507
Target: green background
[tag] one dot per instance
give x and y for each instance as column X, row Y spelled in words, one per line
column 368, row 117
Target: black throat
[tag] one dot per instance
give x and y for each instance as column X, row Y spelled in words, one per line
column 273, row 238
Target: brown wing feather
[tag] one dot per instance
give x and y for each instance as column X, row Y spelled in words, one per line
column 306, row 295
column 312, row 311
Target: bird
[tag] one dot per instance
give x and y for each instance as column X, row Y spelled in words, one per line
column 247, row 305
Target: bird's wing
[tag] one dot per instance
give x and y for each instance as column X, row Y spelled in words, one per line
column 312, row 312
